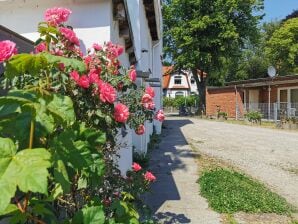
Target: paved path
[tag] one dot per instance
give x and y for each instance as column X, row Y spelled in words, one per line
column 269, row 155
column 175, row 197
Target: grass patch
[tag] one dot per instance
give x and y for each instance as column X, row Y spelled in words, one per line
column 230, row 191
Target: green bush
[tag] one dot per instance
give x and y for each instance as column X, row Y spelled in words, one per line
column 189, row 101
column 222, row 114
column 254, row 116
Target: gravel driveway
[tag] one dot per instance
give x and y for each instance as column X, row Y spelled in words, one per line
column 268, row 155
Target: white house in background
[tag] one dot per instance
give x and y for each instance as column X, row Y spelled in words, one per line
column 135, row 24
column 178, row 84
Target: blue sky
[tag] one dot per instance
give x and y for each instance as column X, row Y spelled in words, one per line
column 278, row 9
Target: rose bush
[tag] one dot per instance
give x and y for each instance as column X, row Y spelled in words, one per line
column 59, row 122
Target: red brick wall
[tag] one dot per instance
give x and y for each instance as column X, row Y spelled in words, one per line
column 226, row 99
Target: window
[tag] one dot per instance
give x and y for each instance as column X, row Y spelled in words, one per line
column 294, row 96
column 178, row 94
column 177, row 80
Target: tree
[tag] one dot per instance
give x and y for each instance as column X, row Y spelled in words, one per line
column 282, row 47
column 294, row 14
column 198, row 34
column 252, row 62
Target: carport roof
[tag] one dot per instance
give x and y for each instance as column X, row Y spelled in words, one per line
column 260, row 82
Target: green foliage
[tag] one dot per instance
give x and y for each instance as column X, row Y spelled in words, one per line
column 282, row 48
column 222, row 114
column 75, row 64
column 189, row 101
column 254, row 116
column 19, row 107
column 141, row 158
column 90, row 215
column 26, row 169
column 25, row 64
column 230, row 192
column 213, row 29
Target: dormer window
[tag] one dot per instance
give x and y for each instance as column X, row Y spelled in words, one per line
column 177, row 80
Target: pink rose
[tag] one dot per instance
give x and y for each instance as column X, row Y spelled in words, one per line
column 136, row 167
column 150, row 105
column 160, row 116
column 87, row 60
column 40, row 47
column 84, row 82
column 7, row 49
column 93, row 76
column 69, row 35
column 97, row 47
column 107, row 93
column 132, row 75
column 75, row 76
column 140, row 130
column 149, row 90
column 146, row 98
column 55, row 16
column 149, row 176
column 114, row 50
column 121, row 113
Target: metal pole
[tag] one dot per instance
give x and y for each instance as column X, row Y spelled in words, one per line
column 236, row 105
column 269, row 94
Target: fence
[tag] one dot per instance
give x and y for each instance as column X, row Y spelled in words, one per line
column 183, row 111
column 274, row 111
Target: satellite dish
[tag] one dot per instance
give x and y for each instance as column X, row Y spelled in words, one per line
column 271, row 71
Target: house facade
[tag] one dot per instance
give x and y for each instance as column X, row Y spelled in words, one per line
column 178, row 84
column 271, row 97
column 134, row 24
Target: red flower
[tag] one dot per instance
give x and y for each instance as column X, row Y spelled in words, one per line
column 7, row 49
column 69, row 35
column 132, row 75
column 149, row 176
column 61, row 66
column 40, row 47
column 149, row 90
column 146, row 98
column 160, row 116
column 150, row 105
column 84, row 82
column 121, row 113
column 140, row 130
column 75, row 76
column 93, row 76
column 114, row 50
column 97, row 47
column 107, row 93
column 56, row 16
column 136, row 167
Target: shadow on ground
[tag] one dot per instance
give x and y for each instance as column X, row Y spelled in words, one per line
column 165, row 160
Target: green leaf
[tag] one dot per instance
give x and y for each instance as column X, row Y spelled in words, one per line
column 25, row 64
column 61, row 176
column 62, row 107
column 90, row 215
column 68, row 62
column 26, row 170
column 9, row 209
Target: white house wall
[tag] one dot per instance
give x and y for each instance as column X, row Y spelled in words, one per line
column 185, row 82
